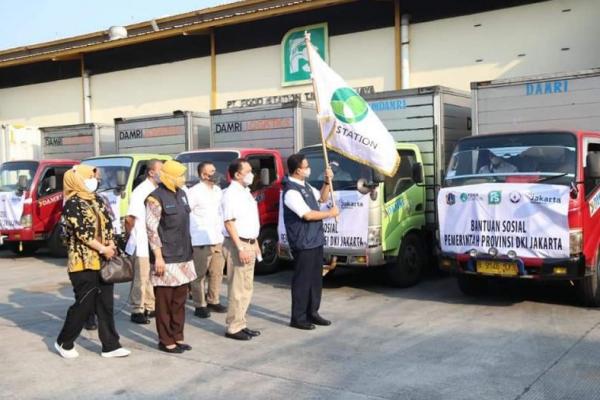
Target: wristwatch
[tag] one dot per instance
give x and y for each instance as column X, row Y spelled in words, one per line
column 101, row 250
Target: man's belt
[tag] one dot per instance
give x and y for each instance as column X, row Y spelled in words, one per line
column 250, row 241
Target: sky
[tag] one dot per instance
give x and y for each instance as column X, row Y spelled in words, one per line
column 35, row 21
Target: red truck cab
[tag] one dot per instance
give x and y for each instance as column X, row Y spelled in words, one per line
column 268, row 170
column 549, row 162
column 37, row 186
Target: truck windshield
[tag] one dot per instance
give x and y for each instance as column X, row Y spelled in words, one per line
column 346, row 172
column 109, row 168
column 521, row 157
column 11, row 171
column 221, row 160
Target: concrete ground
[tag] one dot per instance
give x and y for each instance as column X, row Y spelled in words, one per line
column 427, row 342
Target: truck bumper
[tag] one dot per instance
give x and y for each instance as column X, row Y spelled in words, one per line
column 21, row 235
column 572, row 268
column 370, row 257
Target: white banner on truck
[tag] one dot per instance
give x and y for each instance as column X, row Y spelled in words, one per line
column 115, row 209
column 11, row 210
column 350, row 232
column 531, row 219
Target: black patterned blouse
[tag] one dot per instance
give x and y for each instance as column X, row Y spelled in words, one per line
column 82, row 226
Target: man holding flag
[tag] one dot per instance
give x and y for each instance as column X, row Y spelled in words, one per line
column 351, row 128
column 304, row 229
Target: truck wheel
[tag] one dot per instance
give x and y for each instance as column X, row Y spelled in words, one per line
column 268, row 245
column 471, row 285
column 588, row 288
column 55, row 245
column 28, row 248
column 406, row 271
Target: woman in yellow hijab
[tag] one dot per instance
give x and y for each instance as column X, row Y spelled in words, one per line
column 90, row 238
column 168, row 225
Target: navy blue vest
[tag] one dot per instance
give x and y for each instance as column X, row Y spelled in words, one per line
column 174, row 226
column 302, row 234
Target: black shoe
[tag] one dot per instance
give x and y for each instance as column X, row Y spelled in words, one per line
column 90, row 324
column 307, row 326
column 318, row 320
column 150, row 314
column 251, row 332
column 218, row 308
column 202, row 312
column 241, row 335
column 174, row 350
column 139, row 318
column 184, row 346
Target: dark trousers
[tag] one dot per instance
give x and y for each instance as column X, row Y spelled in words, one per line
column 307, row 284
column 170, row 312
column 91, row 295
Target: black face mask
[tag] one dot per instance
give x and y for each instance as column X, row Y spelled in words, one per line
column 213, row 178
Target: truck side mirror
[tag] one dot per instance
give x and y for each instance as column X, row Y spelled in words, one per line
column 265, row 177
column 378, row 177
column 22, row 184
column 121, row 179
column 363, row 186
column 52, row 183
column 417, row 173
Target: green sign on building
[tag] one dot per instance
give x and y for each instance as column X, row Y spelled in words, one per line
column 295, row 69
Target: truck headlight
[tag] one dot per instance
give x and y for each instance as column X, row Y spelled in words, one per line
column 576, row 241
column 374, row 236
column 26, row 221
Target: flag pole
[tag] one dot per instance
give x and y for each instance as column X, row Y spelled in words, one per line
column 333, row 263
column 325, row 155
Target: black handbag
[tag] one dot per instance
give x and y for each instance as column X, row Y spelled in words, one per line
column 118, row 269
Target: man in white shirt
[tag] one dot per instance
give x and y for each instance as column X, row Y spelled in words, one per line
column 206, row 230
column 141, row 296
column 304, row 229
column 240, row 248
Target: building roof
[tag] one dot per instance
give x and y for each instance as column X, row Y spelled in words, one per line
column 237, row 12
column 180, row 24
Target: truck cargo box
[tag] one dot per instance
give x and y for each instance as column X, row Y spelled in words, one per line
column 76, row 142
column 168, row 134
column 284, row 127
column 551, row 101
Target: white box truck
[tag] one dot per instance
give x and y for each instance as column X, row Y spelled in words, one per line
column 392, row 220
column 18, row 142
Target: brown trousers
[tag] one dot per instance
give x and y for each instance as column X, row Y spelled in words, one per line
column 208, row 260
column 170, row 313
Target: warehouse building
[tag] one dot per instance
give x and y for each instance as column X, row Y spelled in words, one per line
column 248, row 53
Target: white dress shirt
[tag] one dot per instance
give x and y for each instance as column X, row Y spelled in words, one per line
column 138, row 239
column 294, row 200
column 239, row 206
column 206, row 219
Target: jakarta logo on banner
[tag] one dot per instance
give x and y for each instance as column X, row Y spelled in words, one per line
column 295, row 69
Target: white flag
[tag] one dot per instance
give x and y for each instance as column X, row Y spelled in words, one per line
column 348, row 124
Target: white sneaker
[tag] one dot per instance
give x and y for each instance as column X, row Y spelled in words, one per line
column 120, row 352
column 66, row 353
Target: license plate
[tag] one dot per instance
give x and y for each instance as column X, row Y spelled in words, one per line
column 497, row 268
